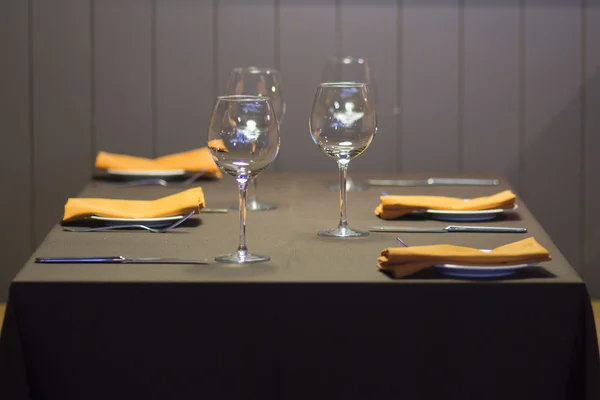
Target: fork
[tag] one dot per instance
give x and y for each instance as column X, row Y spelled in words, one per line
column 401, row 242
column 155, row 181
column 113, row 227
column 405, row 245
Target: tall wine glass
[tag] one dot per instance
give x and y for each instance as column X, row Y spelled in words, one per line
column 243, row 138
column 349, row 69
column 264, row 82
column 343, row 123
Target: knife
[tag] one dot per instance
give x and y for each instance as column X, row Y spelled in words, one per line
column 449, row 228
column 434, row 182
column 214, row 210
column 116, row 260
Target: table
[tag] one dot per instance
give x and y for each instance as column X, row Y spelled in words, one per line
column 318, row 321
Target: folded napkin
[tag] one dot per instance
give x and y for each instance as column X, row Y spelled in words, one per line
column 404, row 261
column 176, row 204
column 391, row 207
column 193, row 160
column 217, row 145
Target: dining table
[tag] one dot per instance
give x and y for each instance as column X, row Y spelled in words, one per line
column 319, row 320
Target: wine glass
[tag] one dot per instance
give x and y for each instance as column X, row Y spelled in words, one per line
column 243, row 138
column 349, row 69
column 258, row 82
column 343, row 123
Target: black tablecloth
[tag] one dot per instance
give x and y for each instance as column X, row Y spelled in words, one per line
column 317, row 321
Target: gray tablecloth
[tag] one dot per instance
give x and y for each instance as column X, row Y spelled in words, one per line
column 318, row 321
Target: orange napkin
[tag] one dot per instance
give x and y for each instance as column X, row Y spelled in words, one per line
column 404, row 261
column 193, row 160
column 391, row 207
column 176, row 204
column 217, row 145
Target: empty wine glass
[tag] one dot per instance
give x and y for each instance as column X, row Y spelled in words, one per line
column 243, row 138
column 258, row 82
column 349, row 69
column 342, row 123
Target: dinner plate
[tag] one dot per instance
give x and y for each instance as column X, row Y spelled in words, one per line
column 150, row 222
column 158, row 173
column 480, row 271
column 466, row 216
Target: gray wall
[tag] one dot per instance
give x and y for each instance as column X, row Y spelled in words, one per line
column 504, row 86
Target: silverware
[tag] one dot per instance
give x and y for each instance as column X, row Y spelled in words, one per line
column 401, row 242
column 214, row 211
column 449, row 228
column 116, row 260
column 136, row 182
column 154, row 181
column 434, row 182
column 130, row 226
column 405, row 245
column 193, row 178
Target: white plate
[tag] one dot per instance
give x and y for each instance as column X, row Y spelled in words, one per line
column 147, row 173
column 151, row 222
column 466, row 216
column 480, row 271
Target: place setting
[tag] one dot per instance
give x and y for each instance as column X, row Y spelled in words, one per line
column 343, row 124
column 160, row 215
column 411, row 214
column 182, row 169
column 242, row 141
column 445, row 208
column 518, row 259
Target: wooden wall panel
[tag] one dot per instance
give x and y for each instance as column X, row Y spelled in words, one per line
column 184, row 74
column 369, row 30
column 123, row 65
column 491, row 87
column 61, row 106
column 15, row 164
column 307, row 34
column 430, row 86
column 550, row 172
column 591, row 150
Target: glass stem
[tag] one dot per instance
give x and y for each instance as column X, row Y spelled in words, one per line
column 343, row 167
column 243, row 186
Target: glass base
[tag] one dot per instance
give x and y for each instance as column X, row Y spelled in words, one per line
column 342, row 232
column 351, row 186
column 237, row 258
column 255, row 205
